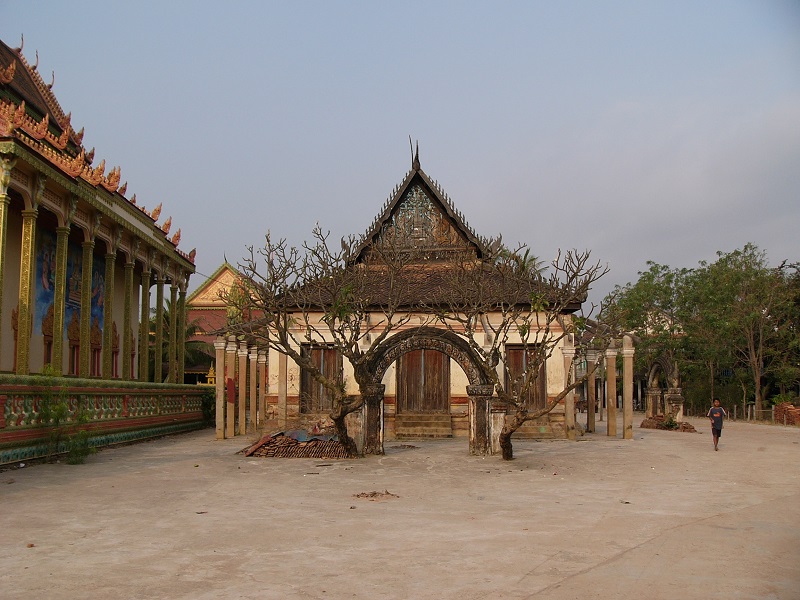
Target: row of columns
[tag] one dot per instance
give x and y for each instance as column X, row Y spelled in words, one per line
column 627, row 352
column 231, row 366
column 27, row 288
column 239, row 368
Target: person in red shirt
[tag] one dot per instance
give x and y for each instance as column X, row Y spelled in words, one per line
column 716, row 414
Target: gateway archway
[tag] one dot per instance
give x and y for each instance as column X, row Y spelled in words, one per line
column 430, row 340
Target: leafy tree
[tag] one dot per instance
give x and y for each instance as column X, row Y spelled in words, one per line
column 751, row 306
column 653, row 309
column 196, row 351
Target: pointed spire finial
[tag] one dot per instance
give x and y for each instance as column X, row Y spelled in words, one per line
column 414, row 155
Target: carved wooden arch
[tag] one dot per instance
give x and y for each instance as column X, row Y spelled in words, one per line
column 666, row 365
column 430, row 338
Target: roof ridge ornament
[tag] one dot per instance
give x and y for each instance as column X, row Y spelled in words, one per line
column 414, row 155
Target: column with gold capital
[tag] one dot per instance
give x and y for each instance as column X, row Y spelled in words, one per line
column 26, row 270
column 173, row 332
column 60, row 299
column 127, row 315
column 108, row 312
column 7, row 163
column 86, row 307
column 181, row 358
column 158, row 348
column 144, row 326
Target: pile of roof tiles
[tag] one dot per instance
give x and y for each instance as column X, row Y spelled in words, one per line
column 660, row 422
column 280, row 445
column 787, row 413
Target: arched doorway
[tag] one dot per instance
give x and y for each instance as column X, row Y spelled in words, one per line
column 422, row 394
column 421, row 353
column 664, row 395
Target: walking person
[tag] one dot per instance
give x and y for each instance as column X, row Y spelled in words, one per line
column 716, row 414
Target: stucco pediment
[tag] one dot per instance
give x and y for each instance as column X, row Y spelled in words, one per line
column 209, row 293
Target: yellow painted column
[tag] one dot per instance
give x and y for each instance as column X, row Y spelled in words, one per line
column 173, row 332
column 127, row 328
column 158, row 350
column 230, row 385
column 568, row 351
column 26, row 271
column 108, row 316
column 181, row 333
column 6, row 166
column 60, row 299
column 86, row 307
column 611, row 391
column 144, row 326
column 219, row 367
column 627, row 387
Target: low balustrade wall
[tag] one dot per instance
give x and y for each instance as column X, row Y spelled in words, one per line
column 111, row 411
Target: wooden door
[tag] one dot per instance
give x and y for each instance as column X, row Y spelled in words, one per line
column 517, row 363
column 423, row 382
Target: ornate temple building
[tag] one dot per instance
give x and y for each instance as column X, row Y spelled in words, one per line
column 79, row 259
column 426, row 382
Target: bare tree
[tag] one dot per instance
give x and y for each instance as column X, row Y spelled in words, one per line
column 347, row 297
column 515, row 313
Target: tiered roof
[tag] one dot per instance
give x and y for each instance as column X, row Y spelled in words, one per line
column 30, row 114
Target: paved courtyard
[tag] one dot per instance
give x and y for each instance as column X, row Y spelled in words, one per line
column 659, row 517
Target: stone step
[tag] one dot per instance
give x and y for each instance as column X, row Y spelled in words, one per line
column 532, row 430
column 423, row 425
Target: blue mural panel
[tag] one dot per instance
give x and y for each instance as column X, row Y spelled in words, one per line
column 45, row 282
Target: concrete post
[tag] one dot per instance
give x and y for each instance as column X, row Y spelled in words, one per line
column 219, row 368
column 627, row 387
column 253, row 353
column 568, row 351
column 591, row 393
column 230, row 388
column 283, row 373
column 242, row 387
column 480, row 442
column 611, row 391
column 263, row 389
column 373, row 418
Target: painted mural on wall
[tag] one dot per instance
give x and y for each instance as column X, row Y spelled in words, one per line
column 45, row 282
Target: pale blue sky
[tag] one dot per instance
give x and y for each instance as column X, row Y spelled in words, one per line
column 639, row 130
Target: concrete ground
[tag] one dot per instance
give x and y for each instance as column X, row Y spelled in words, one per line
column 659, row 517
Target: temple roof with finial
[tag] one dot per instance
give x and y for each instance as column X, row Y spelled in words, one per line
column 417, row 182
